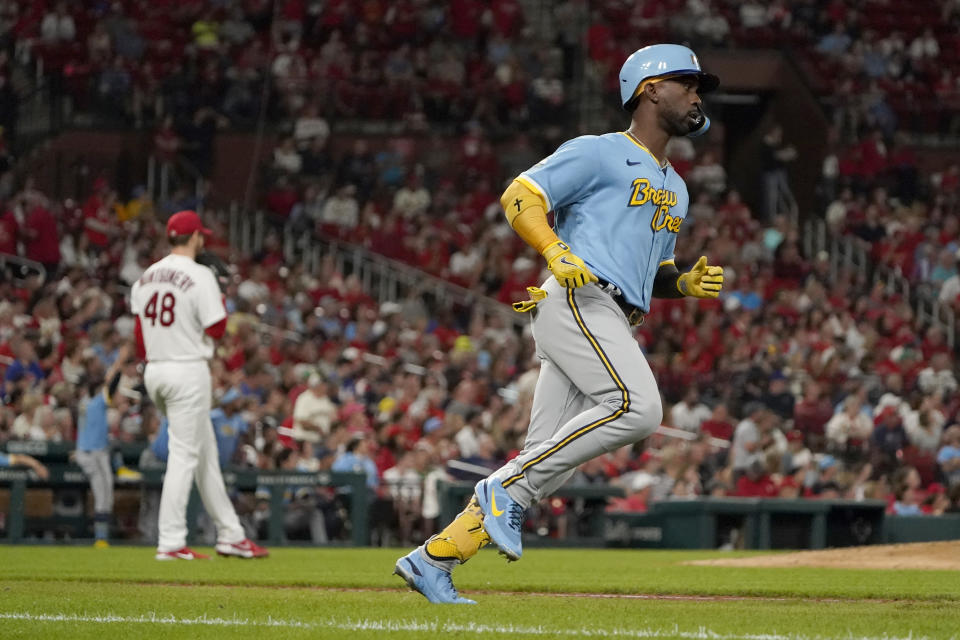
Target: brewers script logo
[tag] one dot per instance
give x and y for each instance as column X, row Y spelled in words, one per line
column 663, row 199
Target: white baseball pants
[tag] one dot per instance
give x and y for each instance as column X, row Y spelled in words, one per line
column 596, row 392
column 182, row 392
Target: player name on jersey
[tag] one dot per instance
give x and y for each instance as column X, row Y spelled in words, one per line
column 175, row 277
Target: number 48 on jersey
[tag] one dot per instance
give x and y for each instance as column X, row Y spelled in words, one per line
column 165, row 315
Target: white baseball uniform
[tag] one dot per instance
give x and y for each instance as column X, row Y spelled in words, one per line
column 176, row 299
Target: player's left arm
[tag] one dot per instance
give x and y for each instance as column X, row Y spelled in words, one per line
column 212, row 308
column 112, row 382
column 139, row 344
column 665, row 282
column 217, row 330
column 703, row 281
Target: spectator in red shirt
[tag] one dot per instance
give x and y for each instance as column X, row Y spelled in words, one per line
column 525, row 273
column 788, row 488
column 8, row 233
column 874, row 154
column 166, row 142
column 718, row 425
column 280, row 200
column 811, row 414
column 756, row 483
column 465, row 18
column 41, row 239
column 98, row 220
column 638, row 494
column 934, row 342
column 507, row 17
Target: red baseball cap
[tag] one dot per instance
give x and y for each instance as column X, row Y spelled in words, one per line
column 184, row 223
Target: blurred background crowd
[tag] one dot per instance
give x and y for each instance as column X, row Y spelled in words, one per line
column 807, row 378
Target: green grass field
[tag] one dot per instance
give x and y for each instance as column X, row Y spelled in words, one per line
column 79, row 592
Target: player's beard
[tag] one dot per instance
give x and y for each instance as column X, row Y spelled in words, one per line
column 678, row 122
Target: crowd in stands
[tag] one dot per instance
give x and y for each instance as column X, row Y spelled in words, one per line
column 888, row 74
column 814, row 330
column 914, row 236
column 798, row 381
column 417, row 61
column 883, row 63
column 877, row 64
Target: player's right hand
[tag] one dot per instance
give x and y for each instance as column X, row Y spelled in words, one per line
column 569, row 270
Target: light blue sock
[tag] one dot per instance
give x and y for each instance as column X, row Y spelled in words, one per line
column 101, row 526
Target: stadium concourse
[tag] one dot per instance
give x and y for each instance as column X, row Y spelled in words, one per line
column 844, row 390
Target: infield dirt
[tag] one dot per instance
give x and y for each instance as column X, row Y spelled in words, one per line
column 921, row 555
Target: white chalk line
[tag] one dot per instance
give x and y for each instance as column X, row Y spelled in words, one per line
column 435, row 626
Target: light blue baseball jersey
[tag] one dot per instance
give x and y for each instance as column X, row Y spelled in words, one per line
column 4, row 460
column 161, row 443
column 228, row 430
column 615, row 207
column 94, row 432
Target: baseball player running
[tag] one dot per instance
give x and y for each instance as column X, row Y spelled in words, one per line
column 180, row 313
column 618, row 205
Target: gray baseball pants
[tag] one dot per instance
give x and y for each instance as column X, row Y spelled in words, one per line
column 595, row 394
column 96, row 466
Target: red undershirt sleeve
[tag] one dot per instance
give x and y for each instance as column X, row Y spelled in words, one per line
column 217, row 329
column 138, row 337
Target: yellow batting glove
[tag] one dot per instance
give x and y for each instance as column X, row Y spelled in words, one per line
column 702, row 281
column 568, row 269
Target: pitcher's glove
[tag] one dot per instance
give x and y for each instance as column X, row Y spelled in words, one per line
column 220, row 269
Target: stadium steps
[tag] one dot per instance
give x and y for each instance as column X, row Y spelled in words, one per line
column 385, row 279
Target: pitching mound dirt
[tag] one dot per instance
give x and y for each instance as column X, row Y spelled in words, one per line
column 922, row 555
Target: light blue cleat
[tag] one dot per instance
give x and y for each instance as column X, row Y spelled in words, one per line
column 435, row 584
column 502, row 517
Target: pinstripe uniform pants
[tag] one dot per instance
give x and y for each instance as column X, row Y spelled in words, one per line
column 596, row 392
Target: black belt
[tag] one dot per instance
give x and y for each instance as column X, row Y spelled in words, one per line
column 635, row 314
